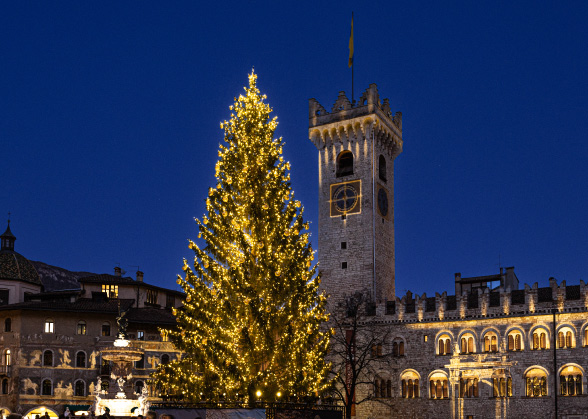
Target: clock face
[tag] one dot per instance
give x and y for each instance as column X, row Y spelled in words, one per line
column 383, row 202
column 346, row 198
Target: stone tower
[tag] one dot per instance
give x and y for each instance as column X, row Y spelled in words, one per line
column 357, row 144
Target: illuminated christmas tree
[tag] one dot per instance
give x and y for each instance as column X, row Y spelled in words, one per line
column 250, row 327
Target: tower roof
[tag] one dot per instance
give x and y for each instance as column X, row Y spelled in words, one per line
column 14, row 265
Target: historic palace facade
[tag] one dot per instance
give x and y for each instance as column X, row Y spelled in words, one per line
column 493, row 349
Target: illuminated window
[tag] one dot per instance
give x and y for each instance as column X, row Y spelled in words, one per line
column 151, row 296
column 490, row 342
column 536, row 383
column 468, row 387
column 438, row 386
column 540, row 339
column 410, row 384
column 110, row 290
column 81, row 328
column 46, row 388
column 49, row 326
column 515, row 341
column 344, row 164
column 164, row 336
column 565, row 338
column 105, row 329
column 7, row 357
column 140, row 335
column 80, row 388
column 81, row 359
column 48, row 358
column 570, row 381
column 444, row 345
column 586, row 337
column 502, row 387
column 467, row 344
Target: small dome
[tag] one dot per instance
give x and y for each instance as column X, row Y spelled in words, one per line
column 14, row 265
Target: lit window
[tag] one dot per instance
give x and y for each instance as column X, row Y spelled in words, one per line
column 515, row 341
column 164, row 336
column 536, row 383
column 410, row 385
column 540, row 339
column 444, row 345
column 467, row 344
column 468, row 387
column 398, row 347
column 151, row 296
column 570, row 381
column 140, row 335
column 110, row 290
column 105, row 329
column 565, row 338
column 438, row 387
column 49, row 326
column 82, row 328
column 7, row 357
column 490, row 342
column 502, row 387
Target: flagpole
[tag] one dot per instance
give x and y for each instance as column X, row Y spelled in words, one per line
column 351, row 58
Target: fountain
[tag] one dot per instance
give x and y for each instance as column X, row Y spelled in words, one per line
column 122, row 354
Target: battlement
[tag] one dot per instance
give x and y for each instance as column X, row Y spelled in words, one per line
column 486, row 303
column 349, row 121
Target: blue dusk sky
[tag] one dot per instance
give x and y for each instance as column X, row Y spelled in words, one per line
column 110, row 112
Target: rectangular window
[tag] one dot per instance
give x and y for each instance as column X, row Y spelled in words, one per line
column 164, row 336
column 151, row 297
column 4, row 297
column 343, row 245
column 48, row 326
column 106, row 329
column 343, row 265
column 110, row 290
column 140, row 335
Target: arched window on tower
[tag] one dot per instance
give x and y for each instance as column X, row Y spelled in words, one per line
column 81, row 359
column 5, row 388
column 344, row 164
column 7, row 357
column 48, row 358
column 382, row 168
column 490, row 342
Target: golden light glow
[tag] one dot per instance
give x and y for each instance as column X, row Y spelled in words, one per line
column 252, row 313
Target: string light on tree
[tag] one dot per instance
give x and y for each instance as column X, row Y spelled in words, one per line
column 251, row 322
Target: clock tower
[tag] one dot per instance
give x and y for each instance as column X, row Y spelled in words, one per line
column 357, row 144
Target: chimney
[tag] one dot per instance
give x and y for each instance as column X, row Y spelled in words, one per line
column 117, row 271
column 139, row 276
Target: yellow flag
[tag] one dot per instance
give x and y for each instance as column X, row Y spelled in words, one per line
column 351, row 43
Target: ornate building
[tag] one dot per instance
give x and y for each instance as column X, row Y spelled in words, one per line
column 51, row 342
column 491, row 350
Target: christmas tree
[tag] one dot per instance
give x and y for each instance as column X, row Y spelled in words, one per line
column 250, row 328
